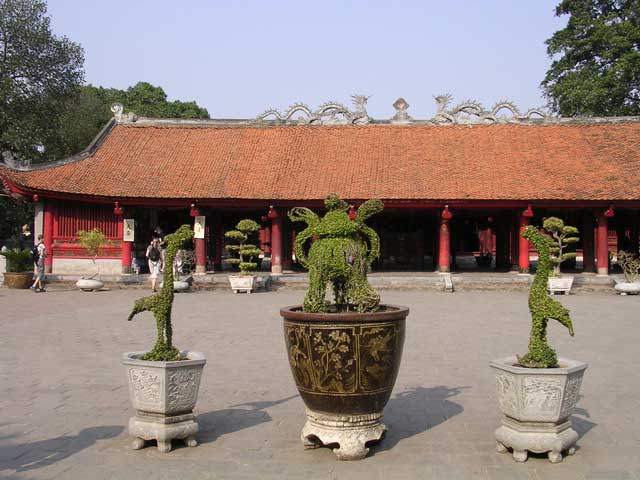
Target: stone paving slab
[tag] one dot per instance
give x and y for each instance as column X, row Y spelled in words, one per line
column 65, row 403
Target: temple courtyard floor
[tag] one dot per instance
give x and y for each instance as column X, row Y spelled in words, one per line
column 65, row 405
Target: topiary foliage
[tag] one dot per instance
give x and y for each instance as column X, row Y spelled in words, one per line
column 160, row 304
column 245, row 252
column 561, row 236
column 341, row 253
column 542, row 307
column 630, row 265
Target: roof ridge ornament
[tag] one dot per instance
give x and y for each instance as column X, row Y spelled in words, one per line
column 472, row 112
column 118, row 113
column 328, row 113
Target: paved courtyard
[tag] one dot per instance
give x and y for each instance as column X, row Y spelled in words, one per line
column 64, row 402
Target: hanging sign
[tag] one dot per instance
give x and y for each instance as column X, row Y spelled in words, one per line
column 198, row 226
column 129, row 230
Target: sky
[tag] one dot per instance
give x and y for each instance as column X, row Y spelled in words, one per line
column 237, row 58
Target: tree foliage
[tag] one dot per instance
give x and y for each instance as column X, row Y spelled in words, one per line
column 561, row 236
column 39, row 73
column 244, row 254
column 596, row 66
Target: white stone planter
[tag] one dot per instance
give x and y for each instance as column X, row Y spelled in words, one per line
column 627, row 288
column 560, row 284
column 537, row 404
column 89, row 284
column 164, row 395
column 242, row 283
column 179, row 286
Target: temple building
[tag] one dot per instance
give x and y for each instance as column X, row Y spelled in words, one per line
column 457, row 188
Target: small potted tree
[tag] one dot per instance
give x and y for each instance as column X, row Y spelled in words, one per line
column 19, row 268
column 344, row 356
column 630, row 265
column 91, row 241
column 560, row 237
column 164, row 382
column 538, row 392
column 244, row 255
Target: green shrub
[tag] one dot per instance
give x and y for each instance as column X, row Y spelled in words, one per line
column 630, row 265
column 18, row 261
column 341, row 253
column 91, row 241
column 243, row 252
column 561, row 236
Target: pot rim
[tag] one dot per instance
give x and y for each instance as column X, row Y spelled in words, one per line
column 193, row 358
column 567, row 366
column 294, row 312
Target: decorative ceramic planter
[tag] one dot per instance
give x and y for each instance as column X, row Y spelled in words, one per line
column 627, row 288
column 242, row 283
column 560, row 285
column 345, row 366
column 164, row 395
column 89, row 284
column 18, row 280
column 537, row 404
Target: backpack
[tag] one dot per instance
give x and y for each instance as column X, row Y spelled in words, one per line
column 154, row 254
column 35, row 255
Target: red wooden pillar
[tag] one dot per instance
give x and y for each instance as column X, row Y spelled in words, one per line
column 523, row 243
column 588, row 245
column 276, row 240
column 201, row 255
column 602, row 242
column 125, row 247
column 444, row 241
column 48, row 235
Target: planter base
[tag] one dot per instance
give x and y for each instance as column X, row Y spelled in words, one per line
column 163, row 429
column 524, row 437
column 352, row 433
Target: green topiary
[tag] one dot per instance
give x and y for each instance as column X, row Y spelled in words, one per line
column 341, row 253
column 561, row 236
column 91, row 241
column 542, row 307
column 244, row 251
column 18, row 261
column 160, row 303
column 630, row 265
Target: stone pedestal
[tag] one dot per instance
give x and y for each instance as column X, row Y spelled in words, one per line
column 352, row 433
column 163, row 429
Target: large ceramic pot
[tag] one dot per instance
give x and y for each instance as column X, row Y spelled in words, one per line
column 21, row 280
column 164, row 395
column 345, row 366
column 537, row 404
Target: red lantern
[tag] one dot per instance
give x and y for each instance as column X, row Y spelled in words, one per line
column 116, row 209
column 352, row 212
column 528, row 212
column 609, row 213
column 446, row 214
column 272, row 213
column 194, row 212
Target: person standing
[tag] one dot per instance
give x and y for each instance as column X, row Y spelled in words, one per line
column 40, row 253
column 154, row 257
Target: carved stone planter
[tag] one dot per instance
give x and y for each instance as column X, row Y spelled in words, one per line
column 627, row 288
column 19, row 280
column 242, row 283
column 345, row 366
column 89, row 284
column 164, row 395
column 537, row 404
column 560, row 285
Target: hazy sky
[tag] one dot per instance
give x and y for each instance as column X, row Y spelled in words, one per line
column 237, row 58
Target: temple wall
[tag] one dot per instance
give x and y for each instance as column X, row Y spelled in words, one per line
column 84, row 266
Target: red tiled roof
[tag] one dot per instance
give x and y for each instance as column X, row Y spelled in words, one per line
column 415, row 162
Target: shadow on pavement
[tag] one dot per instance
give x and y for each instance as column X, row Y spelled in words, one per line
column 236, row 417
column 414, row 411
column 31, row 456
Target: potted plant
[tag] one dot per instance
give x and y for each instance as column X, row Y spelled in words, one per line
column 344, row 356
column 538, row 392
column 630, row 265
column 91, row 241
column 164, row 382
column 244, row 255
column 560, row 236
column 19, row 268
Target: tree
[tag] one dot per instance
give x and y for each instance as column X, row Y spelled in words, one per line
column 39, row 73
column 596, row 66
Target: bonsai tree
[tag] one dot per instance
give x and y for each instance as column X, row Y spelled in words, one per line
column 542, row 306
column 244, row 253
column 342, row 251
column 630, row 265
column 160, row 303
column 91, row 241
column 18, row 261
column 561, row 236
